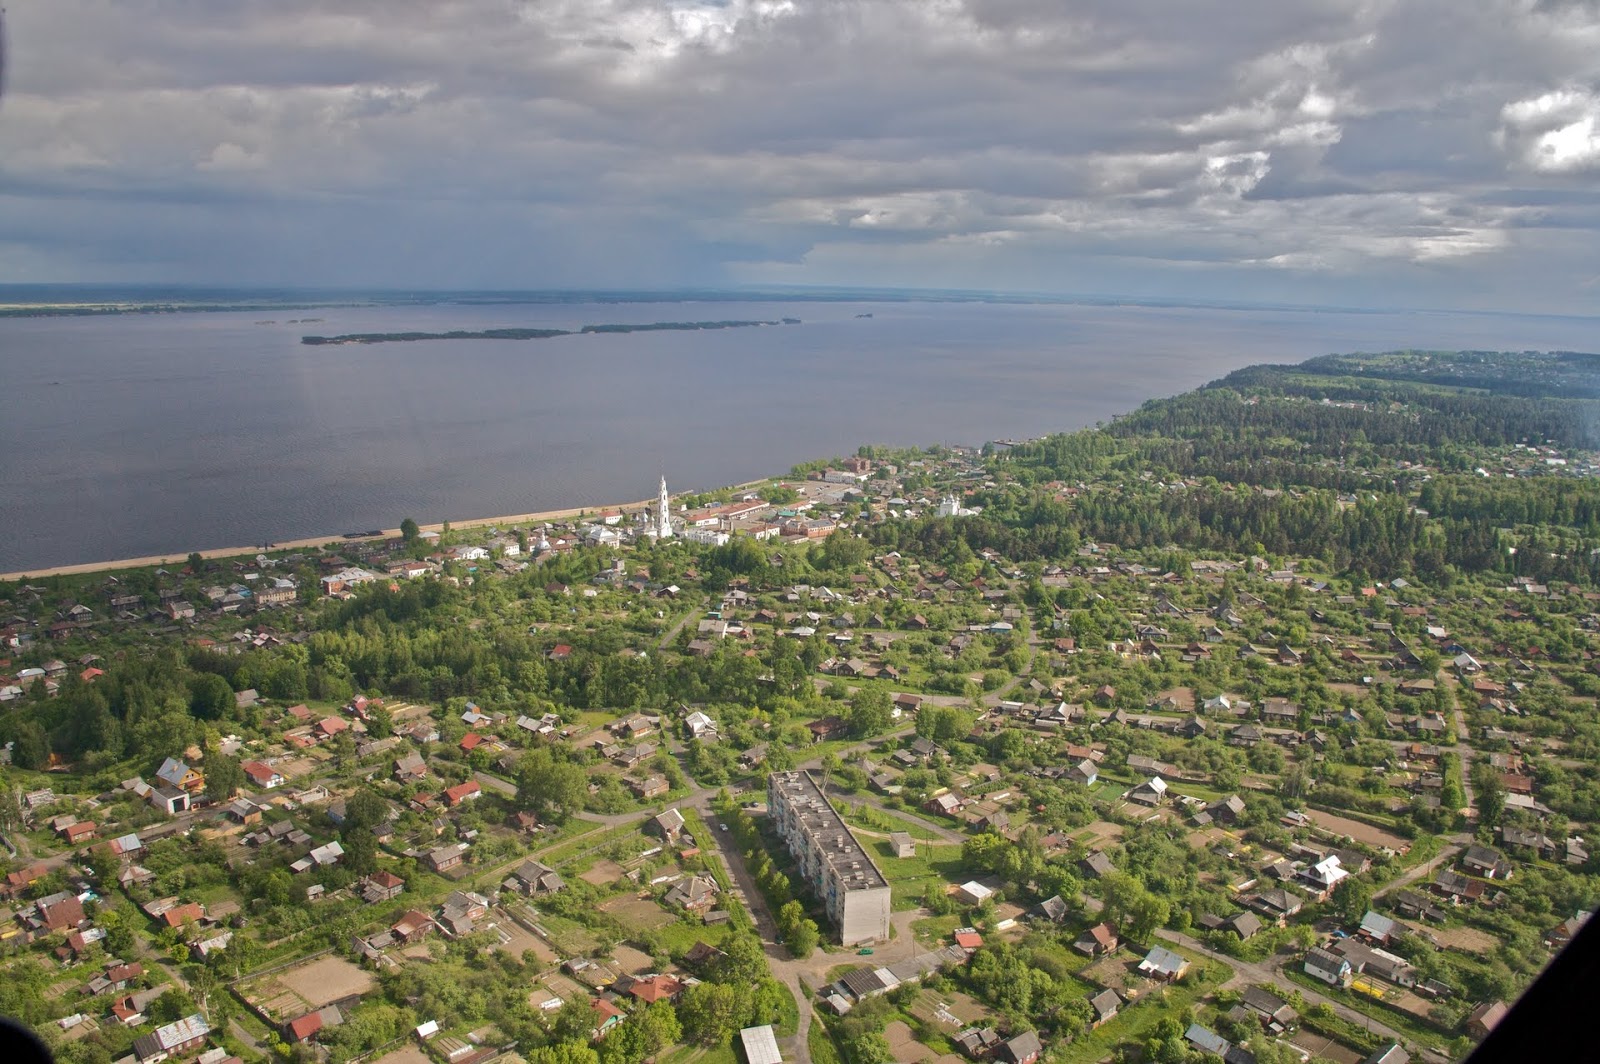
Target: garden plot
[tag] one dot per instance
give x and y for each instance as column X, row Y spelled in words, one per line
column 637, row 914
column 306, row 987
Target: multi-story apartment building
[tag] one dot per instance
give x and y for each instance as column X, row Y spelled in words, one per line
column 852, row 889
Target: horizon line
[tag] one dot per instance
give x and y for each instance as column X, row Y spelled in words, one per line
column 648, row 294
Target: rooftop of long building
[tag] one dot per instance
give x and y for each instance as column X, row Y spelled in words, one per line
column 827, row 831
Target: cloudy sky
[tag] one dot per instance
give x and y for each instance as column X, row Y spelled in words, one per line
column 1430, row 153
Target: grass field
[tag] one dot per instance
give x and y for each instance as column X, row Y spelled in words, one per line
column 935, row 865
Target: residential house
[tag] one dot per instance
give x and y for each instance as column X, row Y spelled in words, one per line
column 1485, row 1018
column 1097, row 941
column 262, row 775
column 1277, row 904
column 1458, row 888
column 1487, row 862
column 462, row 793
column 697, row 894
column 180, row 776
column 1163, row 964
column 381, row 886
column 649, row 787
column 1097, row 865
column 1023, row 1048
column 445, row 858
column 668, row 824
column 1268, row 1007
column 1151, row 792
column 172, row 1040
column 1105, row 1005
column 1329, row 967
column 410, row 769
column 534, row 879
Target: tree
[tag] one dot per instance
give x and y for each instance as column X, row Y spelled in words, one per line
column 709, row 1013
column 223, row 777
column 32, row 749
column 197, row 564
column 1351, row 899
column 870, row 712
column 550, row 787
column 564, row 1053
column 1490, row 792
column 745, row 961
column 364, row 811
column 409, row 530
column 210, row 696
column 658, row 1027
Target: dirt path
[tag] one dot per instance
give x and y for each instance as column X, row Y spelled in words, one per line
column 1426, row 868
column 672, row 633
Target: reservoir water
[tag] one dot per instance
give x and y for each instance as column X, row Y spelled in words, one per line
column 162, row 433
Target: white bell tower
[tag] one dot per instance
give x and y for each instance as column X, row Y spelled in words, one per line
column 664, row 513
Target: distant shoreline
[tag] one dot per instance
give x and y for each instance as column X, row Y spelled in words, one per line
column 536, row 334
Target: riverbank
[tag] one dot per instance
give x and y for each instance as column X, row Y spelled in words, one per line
column 310, row 542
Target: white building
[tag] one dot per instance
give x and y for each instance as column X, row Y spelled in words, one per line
column 853, row 891
column 662, row 528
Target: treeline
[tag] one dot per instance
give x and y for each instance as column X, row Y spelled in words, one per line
column 1563, row 502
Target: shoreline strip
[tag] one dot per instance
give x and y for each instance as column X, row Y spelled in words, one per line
column 307, row 542
column 179, row 557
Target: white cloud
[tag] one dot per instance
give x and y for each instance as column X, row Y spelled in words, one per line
column 1554, row 132
column 687, row 141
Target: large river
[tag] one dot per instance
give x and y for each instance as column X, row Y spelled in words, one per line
column 158, row 434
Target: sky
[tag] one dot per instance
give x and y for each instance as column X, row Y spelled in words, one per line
column 1363, row 153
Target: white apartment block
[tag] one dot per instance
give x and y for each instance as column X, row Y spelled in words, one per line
column 853, row 890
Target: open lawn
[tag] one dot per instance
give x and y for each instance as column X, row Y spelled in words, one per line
column 298, row 990
column 410, row 1054
column 570, row 938
column 951, row 1011
column 909, row 877
column 631, row 961
column 1118, row 971
column 1100, row 833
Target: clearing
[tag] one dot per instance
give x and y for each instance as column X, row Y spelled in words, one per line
column 1358, row 830
column 636, row 913
column 1325, row 1048
column 326, row 980
column 410, row 1054
column 1466, row 939
column 905, row 1048
column 602, row 872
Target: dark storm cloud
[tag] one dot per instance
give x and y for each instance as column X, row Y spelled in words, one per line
column 1425, row 151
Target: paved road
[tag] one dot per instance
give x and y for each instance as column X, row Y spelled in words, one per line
column 1267, row 973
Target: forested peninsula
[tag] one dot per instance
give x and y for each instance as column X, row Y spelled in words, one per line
column 539, row 334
